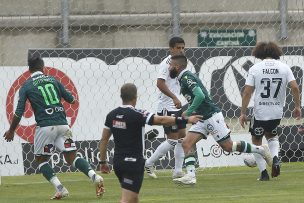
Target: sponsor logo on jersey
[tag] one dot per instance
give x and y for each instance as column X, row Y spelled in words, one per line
column 119, row 124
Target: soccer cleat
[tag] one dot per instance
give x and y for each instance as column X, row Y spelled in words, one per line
column 177, row 174
column 267, row 155
column 276, row 168
column 61, row 194
column 150, row 172
column 185, row 180
column 264, row 176
column 100, row 190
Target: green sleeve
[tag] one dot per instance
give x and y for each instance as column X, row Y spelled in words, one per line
column 21, row 102
column 198, row 99
column 66, row 95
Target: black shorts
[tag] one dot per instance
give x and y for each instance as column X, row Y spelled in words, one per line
column 258, row 128
column 130, row 172
column 173, row 128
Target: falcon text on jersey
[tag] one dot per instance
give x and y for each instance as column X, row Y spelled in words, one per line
column 271, row 71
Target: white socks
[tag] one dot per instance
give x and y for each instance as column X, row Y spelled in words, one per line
column 161, row 150
column 56, row 183
column 261, row 163
column 274, row 146
column 179, row 156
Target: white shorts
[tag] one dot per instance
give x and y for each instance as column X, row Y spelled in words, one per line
column 59, row 136
column 215, row 126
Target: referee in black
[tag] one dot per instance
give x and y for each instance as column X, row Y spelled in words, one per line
column 127, row 123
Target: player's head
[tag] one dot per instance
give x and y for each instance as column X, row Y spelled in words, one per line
column 178, row 64
column 177, row 46
column 265, row 50
column 128, row 94
column 35, row 64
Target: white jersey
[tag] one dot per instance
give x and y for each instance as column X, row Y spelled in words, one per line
column 166, row 102
column 269, row 78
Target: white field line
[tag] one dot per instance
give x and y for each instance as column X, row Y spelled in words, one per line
column 169, row 176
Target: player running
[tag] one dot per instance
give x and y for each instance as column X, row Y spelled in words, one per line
column 213, row 122
column 44, row 93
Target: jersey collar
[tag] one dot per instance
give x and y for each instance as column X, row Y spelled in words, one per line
column 36, row 73
column 181, row 74
column 127, row 106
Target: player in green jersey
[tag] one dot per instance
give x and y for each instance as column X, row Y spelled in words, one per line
column 213, row 122
column 44, row 93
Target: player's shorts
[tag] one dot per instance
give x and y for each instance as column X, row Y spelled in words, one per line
column 130, row 172
column 258, row 128
column 214, row 126
column 173, row 128
column 59, row 136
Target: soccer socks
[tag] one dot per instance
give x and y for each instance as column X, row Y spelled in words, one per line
column 46, row 170
column 274, row 146
column 261, row 163
column 83, row 166
column 179, row 156
column 49, row 174
column 190, row 164
column 161, row 150
column 242, row 146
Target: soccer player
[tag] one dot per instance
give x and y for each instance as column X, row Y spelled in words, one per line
column 169, row 105
column 213, row 122
column 269, row 78
column 126, row 124
column 44, row 93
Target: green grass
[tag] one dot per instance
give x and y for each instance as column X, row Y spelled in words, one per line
column 226, row 184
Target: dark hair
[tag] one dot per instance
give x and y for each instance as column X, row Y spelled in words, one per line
column 175, row 40
column 128, row 92
column 35, row 63
column 267, row 50
column 181, row 59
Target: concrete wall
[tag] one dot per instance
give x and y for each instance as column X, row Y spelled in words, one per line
column 117, row 23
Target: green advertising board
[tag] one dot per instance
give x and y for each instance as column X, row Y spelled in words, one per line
column 226, row 37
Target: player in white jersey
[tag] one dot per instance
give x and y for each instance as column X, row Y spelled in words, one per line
column 170, row 105
column 269, row 78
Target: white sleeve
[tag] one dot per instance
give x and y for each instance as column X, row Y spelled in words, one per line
column 163, row 72
column 250, row 78
column 290, row 76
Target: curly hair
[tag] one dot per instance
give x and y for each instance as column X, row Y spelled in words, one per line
column 267, row 50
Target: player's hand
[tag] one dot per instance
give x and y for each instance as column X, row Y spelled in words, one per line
column 243, row 120
column 184, row 115
column 297, row 113
column 9, row 135
column 301, row 130
column 177, row 103
column 195, row 118
column 105, row 168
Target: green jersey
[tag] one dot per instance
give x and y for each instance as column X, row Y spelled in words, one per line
column 196, row 95
column 44, row 93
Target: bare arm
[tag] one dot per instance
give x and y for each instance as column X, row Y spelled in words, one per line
column 248, row 90
column 106, row 134
column 161, row 85
column 9, row 135
column 296, row 98
column 246, row 98
column 169, row 120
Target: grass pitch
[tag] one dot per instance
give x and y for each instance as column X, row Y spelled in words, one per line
column 214, row 185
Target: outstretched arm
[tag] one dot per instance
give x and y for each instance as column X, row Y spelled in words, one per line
column 169, row 120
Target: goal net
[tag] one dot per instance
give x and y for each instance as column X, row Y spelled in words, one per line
column 93, row 47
